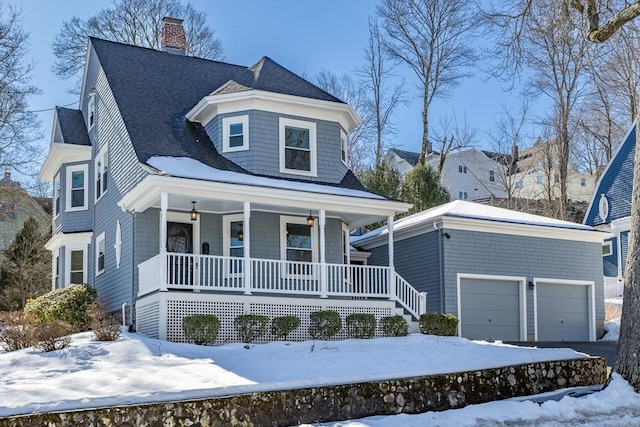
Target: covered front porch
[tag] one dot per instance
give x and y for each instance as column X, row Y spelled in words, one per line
column 265, row 242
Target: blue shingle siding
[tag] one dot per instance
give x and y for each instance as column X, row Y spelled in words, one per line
column 263, row 156
column 610, row 262
column 211, row 232
column 615, row 184
column 505, row 255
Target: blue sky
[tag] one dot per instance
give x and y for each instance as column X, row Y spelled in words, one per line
column 303, row 36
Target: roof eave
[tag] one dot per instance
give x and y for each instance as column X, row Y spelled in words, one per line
column 212, row 105
column 60, row 153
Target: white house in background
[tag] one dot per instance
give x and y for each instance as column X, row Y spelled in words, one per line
column 186, row 186
column 467, row 174
column 536, row 176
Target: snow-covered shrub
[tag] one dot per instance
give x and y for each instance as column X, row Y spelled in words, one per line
column 16, row 331
column 69, row 305
column 284, row 325
column 250, row 326
column 324, row 324
column 201, row 328
column 103, row 329
column 52, row 336
column 361, row 325
column 445, row 325
column 394, row 326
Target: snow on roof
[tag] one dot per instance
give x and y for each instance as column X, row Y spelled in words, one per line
column 185, row 167
column 470, row 210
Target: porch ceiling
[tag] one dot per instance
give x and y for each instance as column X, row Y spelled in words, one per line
column 224, row 198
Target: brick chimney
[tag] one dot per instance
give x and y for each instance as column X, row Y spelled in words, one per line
column 174, row 39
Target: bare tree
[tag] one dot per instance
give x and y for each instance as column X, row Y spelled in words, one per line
column 359, row 139
column 629, row 341
column 19, row 127
column 383, row 98
column 433, row 38
column 137, row 22
column 451, row 135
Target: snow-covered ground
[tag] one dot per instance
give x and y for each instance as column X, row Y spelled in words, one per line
column 136, row 369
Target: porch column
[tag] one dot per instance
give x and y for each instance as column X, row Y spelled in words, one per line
column 247, row 280
column 164, row 204
column 392, row 271
column 323, row 259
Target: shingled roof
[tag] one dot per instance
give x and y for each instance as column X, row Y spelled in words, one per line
column 72, row 126
column 154, row 90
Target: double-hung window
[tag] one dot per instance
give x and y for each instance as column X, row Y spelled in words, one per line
column 77, row 187
column 91, row 111
column 101, row 171
column 77, row 265
column 344, row 148
column 100, row 254
column 298, row 147
column 233, row 236
column 492, row 176
column 235, row 134
column 56, row 195
column 299, row 245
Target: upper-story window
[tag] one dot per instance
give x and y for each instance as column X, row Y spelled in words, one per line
column 463, row 195
column 298, row 147
column 462, row 169
column 76, row 190
column 56, row 195
column 492, row 176
column 7, row 211
column 235, row 133
column 583, row 182
column 539, row 179
column 101, row 171
column 344, row 149
column 100, row 252
column 91, row 111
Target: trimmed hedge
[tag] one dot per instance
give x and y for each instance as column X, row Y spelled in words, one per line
column 284, row 325
column 445, row 325
column 201, row 328
column 69, row 305
column 250, row 326
column 361, row 325
column 394, row 326
column 324, row 324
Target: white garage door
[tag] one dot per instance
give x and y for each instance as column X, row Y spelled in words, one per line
column 490, row 309
column 562, row 312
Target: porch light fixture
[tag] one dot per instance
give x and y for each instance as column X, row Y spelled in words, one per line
column 310, row 220
column 194, row 213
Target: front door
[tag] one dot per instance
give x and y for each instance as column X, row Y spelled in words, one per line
column 180, row 241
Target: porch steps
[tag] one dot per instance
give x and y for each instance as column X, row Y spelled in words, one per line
column 414, row 326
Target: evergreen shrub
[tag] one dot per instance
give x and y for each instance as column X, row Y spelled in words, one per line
column 284, row 325
column 361, row 325
column 394, row 326
column 202, row 329
column 445, row 325
column 324, row 324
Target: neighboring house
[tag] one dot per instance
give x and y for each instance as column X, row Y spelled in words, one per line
column 467, row 174
column 538, row 176
column 16, row 205
column 610, row 211
column 186, row 186
column 507, row 275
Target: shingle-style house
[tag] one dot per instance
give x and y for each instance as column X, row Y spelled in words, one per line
column 506, row 275
column 610, row 210
column 184, row 186
column 467, row 174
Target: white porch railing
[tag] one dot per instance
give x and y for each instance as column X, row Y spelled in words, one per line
column 613, row 287
column 218, row 273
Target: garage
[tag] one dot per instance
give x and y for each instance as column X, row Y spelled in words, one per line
column 491, row 308
column 563, row 310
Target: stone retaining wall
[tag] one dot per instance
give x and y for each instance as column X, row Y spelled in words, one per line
column 332, row 403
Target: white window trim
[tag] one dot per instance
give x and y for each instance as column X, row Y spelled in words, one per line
column 70, row 170
column 101, row 238
column 311, row 126
column 67, row 263
column 284, row 220
column 56, row 192
column 55, row 268
column 226, row 133
column 610, row 246
column 91, row 105
column 102, row 155
column 344, row 147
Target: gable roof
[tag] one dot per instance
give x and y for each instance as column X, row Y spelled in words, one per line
column 154, row 90
column 464, row 210
column 72, row 126
column 408, row 156
column 615, row 184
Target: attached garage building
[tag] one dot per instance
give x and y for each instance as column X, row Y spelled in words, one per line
column 507, row 275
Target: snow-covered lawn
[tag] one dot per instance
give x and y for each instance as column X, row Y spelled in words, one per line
column 136, row 369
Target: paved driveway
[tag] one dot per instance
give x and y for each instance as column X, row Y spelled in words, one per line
column 606, row 349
